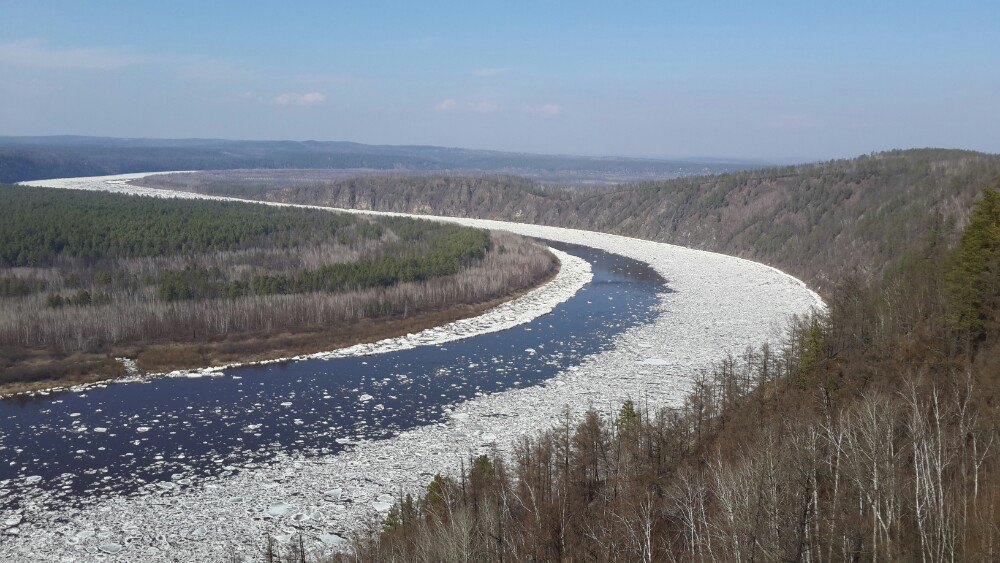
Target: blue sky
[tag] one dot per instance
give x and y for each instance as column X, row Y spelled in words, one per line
column 769, row 80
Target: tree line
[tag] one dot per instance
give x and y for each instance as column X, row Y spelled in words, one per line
column 42, row 225
column 422, row 255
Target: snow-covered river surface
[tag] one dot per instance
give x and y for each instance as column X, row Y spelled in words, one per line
column 203, row 465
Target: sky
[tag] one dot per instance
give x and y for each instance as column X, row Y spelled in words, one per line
column 752, row 80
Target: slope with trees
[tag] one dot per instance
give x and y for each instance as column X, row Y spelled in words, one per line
column 871, row 433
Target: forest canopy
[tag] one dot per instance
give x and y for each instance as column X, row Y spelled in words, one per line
column 41, row 225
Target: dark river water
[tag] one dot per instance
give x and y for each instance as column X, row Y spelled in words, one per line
column 124, row 438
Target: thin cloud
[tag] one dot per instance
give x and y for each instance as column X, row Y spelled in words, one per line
column 242, row 98
column 200, row 69
column 293, row 99
column 486, row 107
column 446, row 105
column 452, row 105
column 328, row 79
column 551, row 109
column 548, row 110
column 35, row 54
column 489, row 72
column 794, row 121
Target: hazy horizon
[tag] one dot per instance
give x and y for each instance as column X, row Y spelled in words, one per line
column 781, row 83
column 692, row 158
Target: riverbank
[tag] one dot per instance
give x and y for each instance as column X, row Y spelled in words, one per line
column 80, row 369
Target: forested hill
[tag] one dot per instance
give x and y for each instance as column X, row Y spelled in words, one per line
column 32, row 158
column 868, row 433
column 816, row 221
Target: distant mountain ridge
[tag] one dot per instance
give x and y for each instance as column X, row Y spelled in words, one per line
column 33, row 158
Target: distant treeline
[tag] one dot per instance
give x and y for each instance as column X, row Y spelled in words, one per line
column 32, row 158
column 815, row 221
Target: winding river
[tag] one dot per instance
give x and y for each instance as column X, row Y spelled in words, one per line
column 170, row 431
column 202, row 468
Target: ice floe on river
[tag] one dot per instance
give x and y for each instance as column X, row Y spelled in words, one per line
column 718, row 304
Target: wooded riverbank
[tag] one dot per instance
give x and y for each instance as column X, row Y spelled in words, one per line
column 224, row 282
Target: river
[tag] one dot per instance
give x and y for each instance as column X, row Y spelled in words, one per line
column 126, row 438
column 205, row 468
